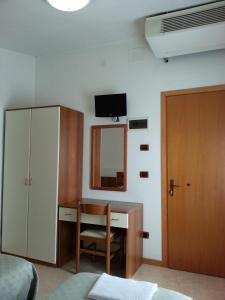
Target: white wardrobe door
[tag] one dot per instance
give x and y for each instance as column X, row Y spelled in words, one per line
column 15, row 192
column 43, row 194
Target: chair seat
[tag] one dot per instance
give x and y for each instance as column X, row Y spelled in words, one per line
column 95, row 233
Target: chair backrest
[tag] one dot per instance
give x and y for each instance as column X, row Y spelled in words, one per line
column 94, row 209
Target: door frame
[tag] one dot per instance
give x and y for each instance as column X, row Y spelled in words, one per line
column 164, row 160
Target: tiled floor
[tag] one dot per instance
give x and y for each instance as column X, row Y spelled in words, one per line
column 199, row 287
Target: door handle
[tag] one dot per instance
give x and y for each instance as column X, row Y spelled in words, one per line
column 172, row 186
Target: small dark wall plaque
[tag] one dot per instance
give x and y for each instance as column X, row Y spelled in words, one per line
column 138, row 123
column 144, row 174
column 144, row 147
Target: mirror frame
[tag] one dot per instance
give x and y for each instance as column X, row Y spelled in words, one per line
column 95, row 158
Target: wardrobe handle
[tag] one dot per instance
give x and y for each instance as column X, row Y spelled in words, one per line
column 30, row 181
column 26, row 181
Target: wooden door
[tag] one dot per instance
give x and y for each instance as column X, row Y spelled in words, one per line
column 43, row 194
column 195, row 130
column 15, row 180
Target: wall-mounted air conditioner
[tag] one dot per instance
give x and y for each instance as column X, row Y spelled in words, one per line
column 187, row 31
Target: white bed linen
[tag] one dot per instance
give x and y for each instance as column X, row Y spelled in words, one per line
column 114, row 288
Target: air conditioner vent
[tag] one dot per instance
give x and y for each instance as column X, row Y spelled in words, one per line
column 200, row 18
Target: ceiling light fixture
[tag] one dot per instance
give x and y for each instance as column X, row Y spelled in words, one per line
column 68, row 5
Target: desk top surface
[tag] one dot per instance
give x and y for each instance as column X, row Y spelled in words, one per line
column 116, row 206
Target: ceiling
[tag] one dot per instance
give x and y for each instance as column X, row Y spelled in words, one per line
column 33, row 27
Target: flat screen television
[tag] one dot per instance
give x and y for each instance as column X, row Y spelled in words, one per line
column 114, row 105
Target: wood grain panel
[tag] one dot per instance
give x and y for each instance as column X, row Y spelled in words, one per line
column 66, row 236
column 70, row 155
column 134, row 242
column 116, row 206
column 195, row 153
column 198, row 90
column 164, row 189
column 95, row 178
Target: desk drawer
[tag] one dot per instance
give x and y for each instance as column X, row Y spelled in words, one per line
column 119, row 220
column 67, row 214
column 70, row 214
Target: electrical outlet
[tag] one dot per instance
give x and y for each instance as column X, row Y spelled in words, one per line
column 144, row 147
column 144, row 174
column 145, row 235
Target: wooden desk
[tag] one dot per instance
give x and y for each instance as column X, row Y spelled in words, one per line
column 126, row 215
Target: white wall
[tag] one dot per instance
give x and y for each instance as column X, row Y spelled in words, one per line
column 73, row 80
column 17, row 85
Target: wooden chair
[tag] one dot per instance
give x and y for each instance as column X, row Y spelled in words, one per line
column 96, row 235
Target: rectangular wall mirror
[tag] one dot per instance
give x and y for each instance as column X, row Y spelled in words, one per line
column 109, row 157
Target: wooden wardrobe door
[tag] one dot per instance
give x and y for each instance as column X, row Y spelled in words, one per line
column 43, row 195
column 15, row 190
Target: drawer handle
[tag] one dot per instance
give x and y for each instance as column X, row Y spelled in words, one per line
column 68, row 214
column 113, row 219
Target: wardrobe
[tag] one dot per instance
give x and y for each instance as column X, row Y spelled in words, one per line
column 43, row 154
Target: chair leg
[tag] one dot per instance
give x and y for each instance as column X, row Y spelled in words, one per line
column 108, row 259
column 78, row 240
column 78, row 257
column 108, row 264
column 77, row 263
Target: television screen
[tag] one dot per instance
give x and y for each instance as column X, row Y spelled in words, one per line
column 114, row 105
